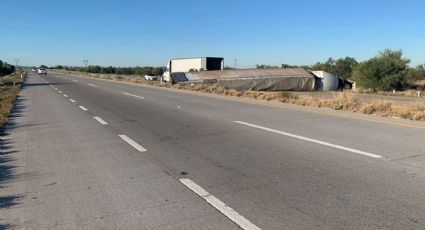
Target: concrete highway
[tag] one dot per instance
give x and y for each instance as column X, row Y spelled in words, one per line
column 83, row 153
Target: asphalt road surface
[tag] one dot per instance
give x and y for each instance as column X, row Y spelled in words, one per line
column 83, row 153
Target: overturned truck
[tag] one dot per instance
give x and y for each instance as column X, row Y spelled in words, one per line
column 278, row 79
column 288, row 79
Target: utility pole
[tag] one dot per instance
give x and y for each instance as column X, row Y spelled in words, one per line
column 235, row 64
column 17, row 62
column 86, row 62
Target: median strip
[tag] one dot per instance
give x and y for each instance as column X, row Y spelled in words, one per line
column 133, row 143
column 310, row 140
column 234, row 216
column 132, row 95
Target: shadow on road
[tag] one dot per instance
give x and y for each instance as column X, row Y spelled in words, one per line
column 8, row 160
column 6, row 226
column 9, row 201
column 45, row 84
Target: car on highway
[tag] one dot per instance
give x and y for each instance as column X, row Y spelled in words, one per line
column 150, row 77
column 41, row 71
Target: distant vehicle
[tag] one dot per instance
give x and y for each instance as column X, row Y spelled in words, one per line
column 185, row 65
column 41, row 71
column 150, row 78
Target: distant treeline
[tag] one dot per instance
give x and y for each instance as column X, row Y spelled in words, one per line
column 6, row 69
column 386, row 71
column 147, row 70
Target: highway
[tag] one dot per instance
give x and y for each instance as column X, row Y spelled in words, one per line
column 83, row 153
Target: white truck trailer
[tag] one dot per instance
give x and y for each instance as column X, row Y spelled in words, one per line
column 185, row 65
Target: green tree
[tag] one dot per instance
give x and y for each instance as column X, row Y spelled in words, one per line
column 386, row 71
column 415, row 74
column 94, row 69
column 158, row 71
column 342, row 67
column 108, row 69
column 6, row 69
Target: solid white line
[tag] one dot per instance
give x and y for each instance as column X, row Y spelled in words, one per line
column 65, row 95
column 310, row 140
column 83, row 108
column 72, row 100
column 219, row 205
column 100, row 120
column 132, row 95
column 92, row 85
column 132, row 143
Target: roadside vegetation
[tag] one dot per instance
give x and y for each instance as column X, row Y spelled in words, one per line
column 147, row 70
column 387, row 71
column 10, row 85
column 6, row 69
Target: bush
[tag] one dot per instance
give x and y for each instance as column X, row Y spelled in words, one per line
column 6, row 69
column 342, row 67
column 386, row 71
column 415, row 74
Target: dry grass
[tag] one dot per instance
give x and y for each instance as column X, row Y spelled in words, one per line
column 342, row 101
column 405, row 93
column 8, row 94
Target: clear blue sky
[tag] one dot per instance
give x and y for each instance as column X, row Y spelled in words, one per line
column 129, row 33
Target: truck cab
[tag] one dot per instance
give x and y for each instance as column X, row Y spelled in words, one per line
column 185, row 65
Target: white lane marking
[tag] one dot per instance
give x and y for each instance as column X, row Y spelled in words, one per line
column 44, row 80
column 310, row 140
column 65, row 95
column 100, row 120
column 179, row 107
column 92, row 85
column 59, row 91
column 133, row 143
column 74, row 80
column 219, row 205
column 83, row 108
column 132, row 95
column 72, row 100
